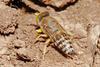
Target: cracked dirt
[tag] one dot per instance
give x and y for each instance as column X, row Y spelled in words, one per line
column 17, row 34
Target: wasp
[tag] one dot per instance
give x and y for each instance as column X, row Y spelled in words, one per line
column 55, row 33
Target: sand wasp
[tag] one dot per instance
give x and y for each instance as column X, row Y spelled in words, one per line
column 56, row 33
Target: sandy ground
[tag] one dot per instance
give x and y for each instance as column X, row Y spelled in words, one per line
column 17, row 36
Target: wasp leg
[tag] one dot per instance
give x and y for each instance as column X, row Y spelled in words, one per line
column 40, row 36
column 39, row 31
column 37, row 13
column 45, row 46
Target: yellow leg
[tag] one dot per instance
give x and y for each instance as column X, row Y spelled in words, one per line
column 39, row 30
column 36, row 14
column 40, row 36
column 45, row 46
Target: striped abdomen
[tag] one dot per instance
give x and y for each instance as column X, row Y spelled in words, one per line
column 64, row 45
